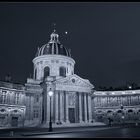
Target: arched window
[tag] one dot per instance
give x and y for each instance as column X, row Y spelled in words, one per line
column 119, row 111
column 130, row 111
column 35, row 73
column 109, row 111
column 46, row 71
column 62, row 71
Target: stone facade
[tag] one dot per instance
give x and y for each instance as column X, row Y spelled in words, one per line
column 12, row 105
column 120, row 106
column 71, row 102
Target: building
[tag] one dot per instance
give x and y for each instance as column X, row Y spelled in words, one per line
column 12, row 104
column 54, row 70
column 120, row 106
column 74, row 99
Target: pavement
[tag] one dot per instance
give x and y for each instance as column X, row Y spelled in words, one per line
column 70, row 130
column 23, row 132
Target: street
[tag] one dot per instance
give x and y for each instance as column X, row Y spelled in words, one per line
column 115, row 133
column 101, row 132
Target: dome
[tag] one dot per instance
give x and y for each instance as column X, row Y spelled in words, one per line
column 53, row 47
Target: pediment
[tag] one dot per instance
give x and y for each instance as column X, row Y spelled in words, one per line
column 74, row 80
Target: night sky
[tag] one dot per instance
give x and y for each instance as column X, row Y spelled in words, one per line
column 104, row 39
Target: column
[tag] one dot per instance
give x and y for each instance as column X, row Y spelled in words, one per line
column 24, row 116
column 29, row 101
column 67, row 115
column 44, row 106
column 48, row 108
column 9, row 118
column 34, row 73
column 138, row 100
column 40, row 111
column 11, row 97
column 80, row 108
column 127, row 100
column 32, row 111
column 85, row 107
column 56, row 107
column 89, row 108
column 8, row 97
column 39, row 72
column 61, row 108
column 130, row 100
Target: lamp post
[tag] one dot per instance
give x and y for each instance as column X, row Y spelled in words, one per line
column 50, row 93
column 44, row 84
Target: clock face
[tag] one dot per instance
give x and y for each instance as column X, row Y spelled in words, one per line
column 73, row 80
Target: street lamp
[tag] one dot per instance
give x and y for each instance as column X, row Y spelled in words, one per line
column 50, row 93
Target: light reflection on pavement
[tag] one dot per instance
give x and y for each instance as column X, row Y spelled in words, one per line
column 118, row 132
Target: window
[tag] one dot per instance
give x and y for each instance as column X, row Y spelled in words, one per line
column 4, row 97
column 62, row 71
column 130, row 111
column 46, row 72
column 35, row 73
column 36, row 98
column 36, row 114
column 2, row 120
column 2, row 110
column 16, row 98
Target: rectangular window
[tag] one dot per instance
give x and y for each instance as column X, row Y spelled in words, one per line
column 16, row 98
column 36, row 98
column 3, row 97
column 36, row 114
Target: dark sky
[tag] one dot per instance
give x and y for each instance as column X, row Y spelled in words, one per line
column 104, row 38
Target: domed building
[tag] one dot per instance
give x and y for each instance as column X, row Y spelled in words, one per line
column 54, row 71
column 56, row 93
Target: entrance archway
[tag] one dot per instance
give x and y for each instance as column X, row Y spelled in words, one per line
column 72, row 115
column 14, row 121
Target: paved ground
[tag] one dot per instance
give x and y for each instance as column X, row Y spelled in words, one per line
column 78, row 132
column 25, row 132
column 104, row 133
column 58, row 128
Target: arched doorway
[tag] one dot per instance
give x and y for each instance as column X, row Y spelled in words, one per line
column 3, row 117
column 16, row 116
